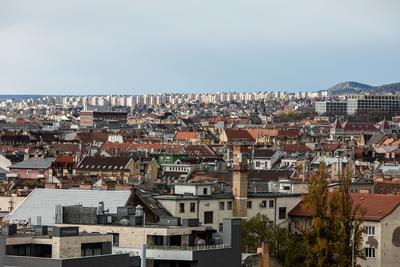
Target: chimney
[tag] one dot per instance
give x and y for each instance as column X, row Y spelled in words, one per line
column 264, row 254
column 239, row 182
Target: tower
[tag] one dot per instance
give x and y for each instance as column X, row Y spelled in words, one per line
column 239, row 182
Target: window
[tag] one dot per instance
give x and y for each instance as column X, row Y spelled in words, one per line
column 208, row 217
column 370, row 230
column 28, row 171
column 115, row 240
column 257, row 164
column 205, row 191
column 263, row 204
column 229, row 205
column 369, row 252
column 181, row 207
column 249, row 204
column 271, row 204
column 221, row 205
column 91, row 249
column 192, row 207
column 282, row 213
column 286, row 187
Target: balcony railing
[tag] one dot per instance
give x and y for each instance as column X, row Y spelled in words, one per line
column 190, row 248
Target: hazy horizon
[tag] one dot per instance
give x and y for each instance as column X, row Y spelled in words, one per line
column 133, row 47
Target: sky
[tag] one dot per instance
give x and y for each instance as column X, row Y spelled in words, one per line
column 155, row 46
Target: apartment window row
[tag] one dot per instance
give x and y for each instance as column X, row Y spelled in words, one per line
column 263, row 204
column 192, row 207
column 178, row 169
column 228, row 205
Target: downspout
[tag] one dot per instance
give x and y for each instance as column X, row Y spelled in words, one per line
column 275, row 204
column 198, row 208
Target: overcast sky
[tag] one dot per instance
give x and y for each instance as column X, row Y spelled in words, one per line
column 152, row 46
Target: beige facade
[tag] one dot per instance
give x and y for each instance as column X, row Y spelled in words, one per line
column 193, row 208
column 382, row 243
column 61, row 247
column 134, row 236
column 8, row 203
column 385, row 241
column 274, row 206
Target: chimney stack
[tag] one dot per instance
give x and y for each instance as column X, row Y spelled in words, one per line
column 239, row 181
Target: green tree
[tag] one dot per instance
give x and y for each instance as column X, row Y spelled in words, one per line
column 284, row 246
column 254, row 231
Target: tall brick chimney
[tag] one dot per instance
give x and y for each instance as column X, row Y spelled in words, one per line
column 264, row 254
column 239, row 182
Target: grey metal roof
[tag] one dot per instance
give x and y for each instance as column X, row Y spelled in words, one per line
column 34, row 163
column 42, row 202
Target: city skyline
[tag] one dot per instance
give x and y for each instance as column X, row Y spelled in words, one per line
column 127, row 47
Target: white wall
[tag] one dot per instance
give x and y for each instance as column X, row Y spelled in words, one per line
column 4, row 163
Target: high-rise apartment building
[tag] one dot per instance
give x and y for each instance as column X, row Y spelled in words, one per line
column 360, row 103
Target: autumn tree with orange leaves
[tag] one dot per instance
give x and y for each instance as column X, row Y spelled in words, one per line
column 329, row 239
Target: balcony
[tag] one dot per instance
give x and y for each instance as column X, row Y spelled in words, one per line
column 180, row 253
column 12, row 175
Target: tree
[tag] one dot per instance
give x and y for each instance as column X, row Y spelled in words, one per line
column 329, row 241
column 254, row 231
column 351, row 227
column 284, row 246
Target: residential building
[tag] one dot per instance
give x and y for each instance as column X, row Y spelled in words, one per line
column 61, row 246
column 35, row 168
column 265, row 159
column 101, row 119
column 381, row 223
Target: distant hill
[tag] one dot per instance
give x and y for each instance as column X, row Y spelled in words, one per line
column 355, row 88
column 388, row 88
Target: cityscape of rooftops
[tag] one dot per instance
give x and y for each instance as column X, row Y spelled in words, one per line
column 200, row 133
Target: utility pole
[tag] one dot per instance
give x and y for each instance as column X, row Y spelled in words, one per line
column 143, row 256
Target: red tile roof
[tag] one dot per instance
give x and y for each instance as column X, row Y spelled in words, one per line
column 87, row 138
column 184, row 136
column 329, row 147
column 116, row 147
column 233, row 134
column 370, row 207
column 359, row 126
column 256, row 133
column 71, row 148
column 289, row 132
column 293, row 148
